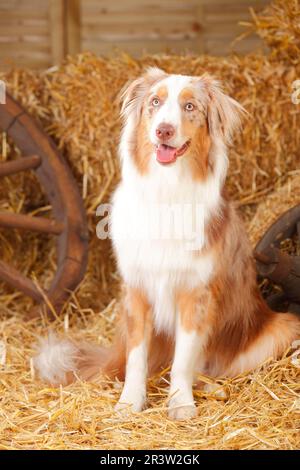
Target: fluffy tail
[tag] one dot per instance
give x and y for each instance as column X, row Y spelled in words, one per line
column 61, row 361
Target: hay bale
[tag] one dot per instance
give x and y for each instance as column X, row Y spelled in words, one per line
column 275, row 204
column 279, row 26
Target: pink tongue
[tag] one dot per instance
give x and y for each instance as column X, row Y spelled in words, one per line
column 165, row 154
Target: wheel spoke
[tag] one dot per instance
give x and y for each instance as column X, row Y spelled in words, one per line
column 21, row 164
column 17, row 280
column 26, row 222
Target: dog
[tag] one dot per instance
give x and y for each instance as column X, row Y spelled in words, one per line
column 190, row 301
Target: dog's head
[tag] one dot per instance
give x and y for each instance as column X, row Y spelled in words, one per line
column 178, row 116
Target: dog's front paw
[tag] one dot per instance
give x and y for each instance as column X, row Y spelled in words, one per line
column 216, row 390
column 124, row 410
column 181, row 410
column 127, row 405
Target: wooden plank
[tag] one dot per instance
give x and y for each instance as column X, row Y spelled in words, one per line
column 200, row 21
column 32, row 22
column 122, row 37
column 222, row 47
column 138, row 12
column 23, row 29
column 128, row 19
column 146, row 3
column 57, row 36
column 21, row 15
column 224, row 4
column 20, row 59
column 226, row 18
column 36, row 42
column 72, row 26
column 24, row 5
column 231, row 8
column 132, row 6
column 27, row 61
column 138, row 47
column 224, row 30
column 16, row 48
column 120, row 40
column 146, row 30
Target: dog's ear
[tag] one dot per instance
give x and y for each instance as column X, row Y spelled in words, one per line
column 224, row 114
column 133, row 93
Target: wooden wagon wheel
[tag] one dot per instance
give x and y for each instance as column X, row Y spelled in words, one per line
column 280, row 267
column 40, row 154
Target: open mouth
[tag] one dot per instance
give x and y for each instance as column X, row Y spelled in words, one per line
column 165, row 154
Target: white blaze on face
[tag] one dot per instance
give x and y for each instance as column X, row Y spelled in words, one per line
column 170, row 111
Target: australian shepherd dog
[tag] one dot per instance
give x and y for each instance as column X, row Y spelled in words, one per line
column 190, row 297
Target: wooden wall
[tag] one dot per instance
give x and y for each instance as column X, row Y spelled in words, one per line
column 155, row 25
column 25, row 33
column 39, row 33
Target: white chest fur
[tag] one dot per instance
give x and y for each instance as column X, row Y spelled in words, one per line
column 157, row 263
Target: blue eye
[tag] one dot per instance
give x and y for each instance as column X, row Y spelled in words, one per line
column 155, row 102
column 189, row 107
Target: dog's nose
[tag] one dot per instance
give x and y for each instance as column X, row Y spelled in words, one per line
column 165, row 131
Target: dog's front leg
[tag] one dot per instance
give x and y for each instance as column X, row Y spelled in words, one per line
column 191, row 337
column 138, row 319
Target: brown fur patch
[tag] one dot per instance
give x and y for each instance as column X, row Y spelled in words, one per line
column 198, row 156
column 143, row 147
column 162, row 92
column 241, row 314
column 217, row 225
column 138, row 318
column 187, row 94
column 161, row 351
column 193, row 308
column 133, row 98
